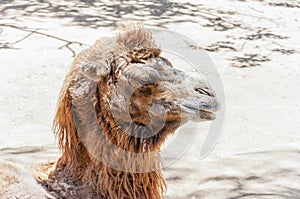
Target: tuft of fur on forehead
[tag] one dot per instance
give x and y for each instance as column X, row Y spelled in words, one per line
column 133, row 44
column 135, row 37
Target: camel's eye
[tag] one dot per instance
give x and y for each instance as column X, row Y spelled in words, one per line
column 145, row 75
column 149, row 77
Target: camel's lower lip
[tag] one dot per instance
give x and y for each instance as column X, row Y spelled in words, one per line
column 206, row 111
column 206, row 114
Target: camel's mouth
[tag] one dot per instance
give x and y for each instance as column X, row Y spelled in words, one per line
column 198, row 115
column 200, row 111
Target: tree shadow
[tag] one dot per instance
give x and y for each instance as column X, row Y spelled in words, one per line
column 160, row 13
column 248, row 60
column 263, row 174
column 96, row 14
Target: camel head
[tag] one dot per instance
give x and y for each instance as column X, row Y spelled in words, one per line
column 141, row 92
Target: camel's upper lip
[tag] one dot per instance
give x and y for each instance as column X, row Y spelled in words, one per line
column 210, row 105
column 204, row 109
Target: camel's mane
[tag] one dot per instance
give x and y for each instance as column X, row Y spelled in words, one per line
column 77, row 166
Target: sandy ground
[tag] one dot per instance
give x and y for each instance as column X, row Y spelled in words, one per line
column 254, row 45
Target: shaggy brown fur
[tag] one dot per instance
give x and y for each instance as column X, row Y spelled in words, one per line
column 117, row 76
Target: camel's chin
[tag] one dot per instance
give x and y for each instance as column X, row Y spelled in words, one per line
column 202, row 116
column 207, row 115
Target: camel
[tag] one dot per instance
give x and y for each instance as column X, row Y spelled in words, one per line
column 16, row 182
column 118, row 104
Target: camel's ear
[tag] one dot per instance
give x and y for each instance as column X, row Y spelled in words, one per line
column 95, row 70
column 78, row 90
column 65, row 129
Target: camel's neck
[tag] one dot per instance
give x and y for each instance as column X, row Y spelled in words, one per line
column 122, row 184
column 95, row 180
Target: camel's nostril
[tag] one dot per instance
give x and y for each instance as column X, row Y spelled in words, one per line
column 205, row 91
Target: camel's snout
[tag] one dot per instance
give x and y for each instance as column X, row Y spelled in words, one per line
column 210, row 101
column 199, row 101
